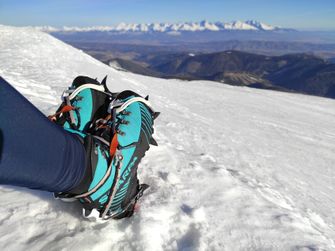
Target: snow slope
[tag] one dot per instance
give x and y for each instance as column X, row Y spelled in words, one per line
column 236, row 168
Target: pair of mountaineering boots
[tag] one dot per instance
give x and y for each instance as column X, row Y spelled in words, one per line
column 116, row 130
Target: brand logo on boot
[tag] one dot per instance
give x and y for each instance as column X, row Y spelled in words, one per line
column 127, row 172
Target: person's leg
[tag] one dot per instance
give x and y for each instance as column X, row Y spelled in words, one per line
column 34, row 152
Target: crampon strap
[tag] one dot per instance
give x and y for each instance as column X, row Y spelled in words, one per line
column 65, row 108
column 113, row 146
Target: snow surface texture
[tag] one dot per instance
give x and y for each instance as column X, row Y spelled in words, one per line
column 250, row 25
column 236, row 168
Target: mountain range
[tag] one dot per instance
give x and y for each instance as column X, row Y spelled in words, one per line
column 249, row 25
column 301, row 73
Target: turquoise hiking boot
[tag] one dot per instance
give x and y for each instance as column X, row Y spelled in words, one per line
column 114, row 149
column 85, row 101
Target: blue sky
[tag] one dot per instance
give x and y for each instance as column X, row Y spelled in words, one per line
column 300, row 14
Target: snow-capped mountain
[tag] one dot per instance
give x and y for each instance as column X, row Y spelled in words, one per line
column 260, row 26
column 236, row 168
column 250, row 25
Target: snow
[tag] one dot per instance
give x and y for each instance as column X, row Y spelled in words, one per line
column 167, row 27
column 235, row 169
column 239, row 25
column 115, row 64
column 261, row 26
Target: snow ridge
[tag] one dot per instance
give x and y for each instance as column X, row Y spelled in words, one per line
column 250, row 25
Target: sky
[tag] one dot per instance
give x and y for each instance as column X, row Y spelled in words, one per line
column 298, row 14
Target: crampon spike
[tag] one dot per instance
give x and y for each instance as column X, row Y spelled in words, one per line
column 153, row 142
column 104, row 83
column 156, row 114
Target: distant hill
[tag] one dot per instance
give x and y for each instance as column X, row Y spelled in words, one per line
column 122, row 64
column 293, row 72
column 106, row 49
